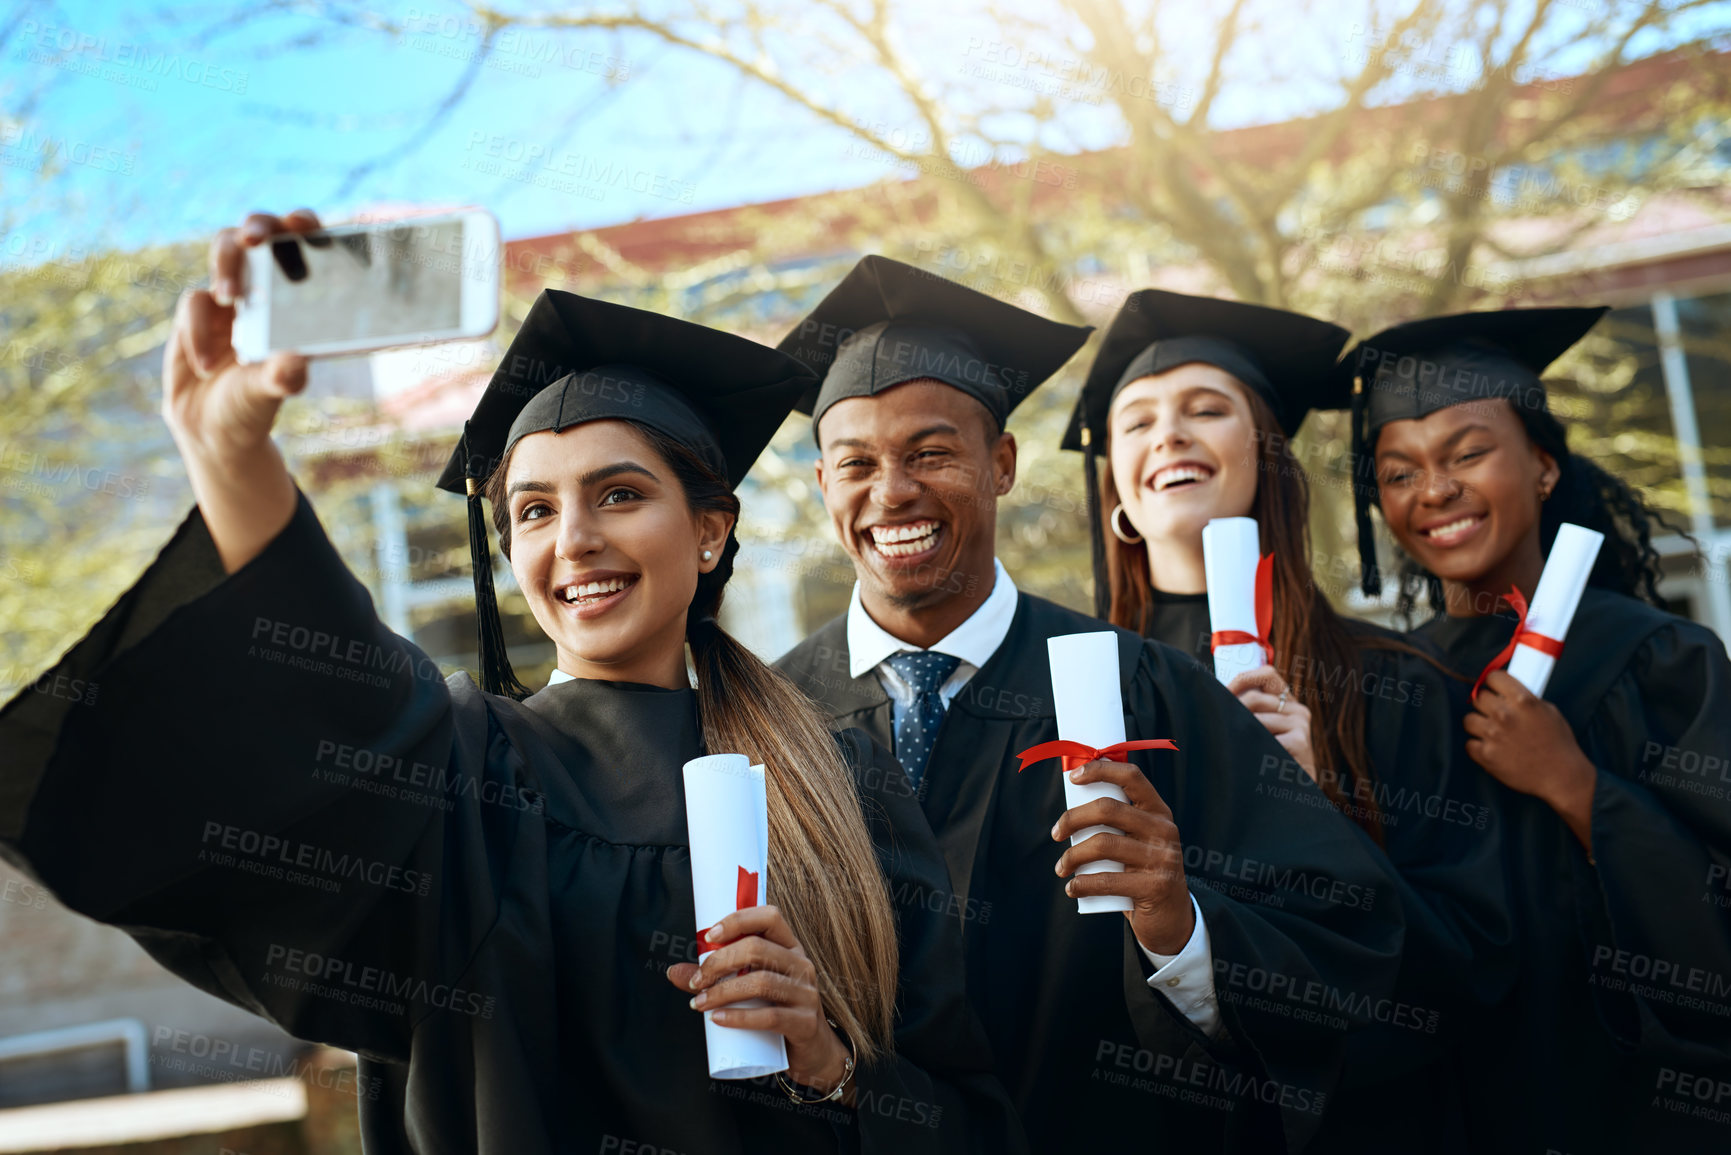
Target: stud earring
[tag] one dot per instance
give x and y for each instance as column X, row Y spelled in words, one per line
column 1117, row 510
column 707, row 554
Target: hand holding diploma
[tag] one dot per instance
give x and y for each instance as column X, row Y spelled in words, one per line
column 1125, row 852
column 1521, row 739
column 757, row 958
column 1241, row 612
column 1527, row 745
column 759, row 992
column 1148, row 854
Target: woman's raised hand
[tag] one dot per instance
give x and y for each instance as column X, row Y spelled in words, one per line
column 758, row 941
column 220, row 411
column 214, row 405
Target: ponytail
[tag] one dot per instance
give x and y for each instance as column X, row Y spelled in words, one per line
column 819, row 853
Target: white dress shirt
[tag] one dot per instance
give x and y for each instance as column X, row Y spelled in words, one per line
column 869, row 645
column 1185, row 979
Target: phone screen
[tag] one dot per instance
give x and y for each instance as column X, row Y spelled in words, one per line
column 366, row 283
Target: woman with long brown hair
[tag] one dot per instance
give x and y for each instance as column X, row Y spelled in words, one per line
column 1192, row 402
column 512, row 951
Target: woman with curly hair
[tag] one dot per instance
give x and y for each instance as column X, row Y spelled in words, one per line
column 1615, row 787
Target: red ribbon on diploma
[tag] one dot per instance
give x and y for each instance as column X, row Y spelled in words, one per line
column 1523, row 637
column 1074, row 754
column 744, row 895
column 1264, row 615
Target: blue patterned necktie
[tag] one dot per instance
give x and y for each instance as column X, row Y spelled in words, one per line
column 917, row 729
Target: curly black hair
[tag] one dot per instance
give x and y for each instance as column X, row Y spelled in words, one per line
column 1589, row 496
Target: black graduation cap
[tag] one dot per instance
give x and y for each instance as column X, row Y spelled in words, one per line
column 1414, row 369
column 576, row 359
column 1286, row 358
column 889, row 323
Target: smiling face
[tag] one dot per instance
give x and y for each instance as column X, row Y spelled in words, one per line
column 1183, row 451
column 1460, row 491
column 911, row 478
column 607, row 550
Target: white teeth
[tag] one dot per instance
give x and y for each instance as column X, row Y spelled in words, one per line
column 904, row 540
column 886, row 534
column 1451, row 527
column 1176, row 473
column 597, row 589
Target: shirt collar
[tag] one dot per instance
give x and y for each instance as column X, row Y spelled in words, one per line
column 974, row 641
column 559, row 675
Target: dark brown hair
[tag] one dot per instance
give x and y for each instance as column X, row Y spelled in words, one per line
column 819, row 848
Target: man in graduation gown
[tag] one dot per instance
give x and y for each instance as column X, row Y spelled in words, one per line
column 1214, row 1014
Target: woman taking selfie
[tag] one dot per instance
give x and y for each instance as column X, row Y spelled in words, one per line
column 514, row 960
column 1192, row 401
column 1616, row 825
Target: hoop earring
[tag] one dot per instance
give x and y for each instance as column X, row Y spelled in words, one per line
column 1118, row 533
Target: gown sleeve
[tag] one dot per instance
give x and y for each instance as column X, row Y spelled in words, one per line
column 938, row 1092
column 1441, row 830
column 1434, row 811
column 1304, row 919
column 1655, row 895
column 253, row 781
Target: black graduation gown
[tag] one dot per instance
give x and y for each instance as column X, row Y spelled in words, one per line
column 287, row 806
column 1616, row 1034
column 1302, row 919
column 1441, row 834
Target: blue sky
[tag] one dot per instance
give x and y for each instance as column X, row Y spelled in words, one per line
column 176, row 123
column 173, row 134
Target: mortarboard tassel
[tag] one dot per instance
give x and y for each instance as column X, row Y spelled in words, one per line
column 1096, row 543
column 1363, row 474
column 497, row 676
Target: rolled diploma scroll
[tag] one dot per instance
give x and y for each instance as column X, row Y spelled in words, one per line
column 1555, row 600
column 1090, row 710
column 727, row 816
column 1231, row 547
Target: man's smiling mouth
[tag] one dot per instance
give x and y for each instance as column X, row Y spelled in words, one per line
column 904, row 541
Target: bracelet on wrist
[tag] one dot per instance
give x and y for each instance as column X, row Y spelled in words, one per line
column 788, row 1085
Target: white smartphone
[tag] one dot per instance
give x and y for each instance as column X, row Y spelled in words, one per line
column 356, row 288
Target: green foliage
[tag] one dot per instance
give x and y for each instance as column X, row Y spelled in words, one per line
column 89, row 486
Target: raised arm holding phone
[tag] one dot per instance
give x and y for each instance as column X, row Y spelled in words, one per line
column 521, row 995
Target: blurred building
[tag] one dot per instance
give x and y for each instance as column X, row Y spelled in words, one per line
column 1663, row 400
